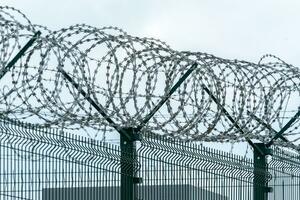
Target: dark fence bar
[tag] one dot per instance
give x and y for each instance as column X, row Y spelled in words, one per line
column 260, row 181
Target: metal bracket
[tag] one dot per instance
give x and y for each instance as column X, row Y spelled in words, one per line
column 269, row 189
column 101, row 110
column 134, row 134
column 266, row 125
column 137, row 180
column 128, row 135
column 5, row 69
column 287, row 125
column 167, row 96
column 254, row 146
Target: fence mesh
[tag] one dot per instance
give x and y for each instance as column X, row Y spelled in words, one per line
column 43, row 163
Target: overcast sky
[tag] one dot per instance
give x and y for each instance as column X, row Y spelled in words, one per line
column 233, row 29
column 227, row 28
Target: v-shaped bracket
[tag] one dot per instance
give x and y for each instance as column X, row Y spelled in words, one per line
column 269, row 127
column 121, row 130
column 287, row 125
column 230, row 118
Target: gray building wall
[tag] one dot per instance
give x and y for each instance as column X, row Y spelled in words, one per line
column 157, row 192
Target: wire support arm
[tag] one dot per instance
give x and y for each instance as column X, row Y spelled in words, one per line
column 173, row 89
column 254, row 146
column 288, row 125
column 267, row 126
column 98, row 107
column 5, row 69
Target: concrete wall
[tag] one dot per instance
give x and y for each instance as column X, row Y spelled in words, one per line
column 159, row 192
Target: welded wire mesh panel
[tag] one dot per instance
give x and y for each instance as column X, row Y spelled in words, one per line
column 51, row 180
column 47, row 164
column 285, row 170
column 38, row 163
column 175, row 170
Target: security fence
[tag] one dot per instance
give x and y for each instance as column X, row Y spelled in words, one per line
column 43, row 163
column 285, row 171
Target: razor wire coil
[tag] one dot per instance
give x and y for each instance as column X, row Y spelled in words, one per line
column 128, row 75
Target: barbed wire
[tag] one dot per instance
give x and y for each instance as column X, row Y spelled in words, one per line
column 127, row 75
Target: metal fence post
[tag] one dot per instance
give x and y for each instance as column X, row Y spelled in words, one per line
column 260, row 182
column 128, row 161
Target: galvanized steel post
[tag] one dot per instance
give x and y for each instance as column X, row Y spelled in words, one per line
column 129, row 180
column 260, row 182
